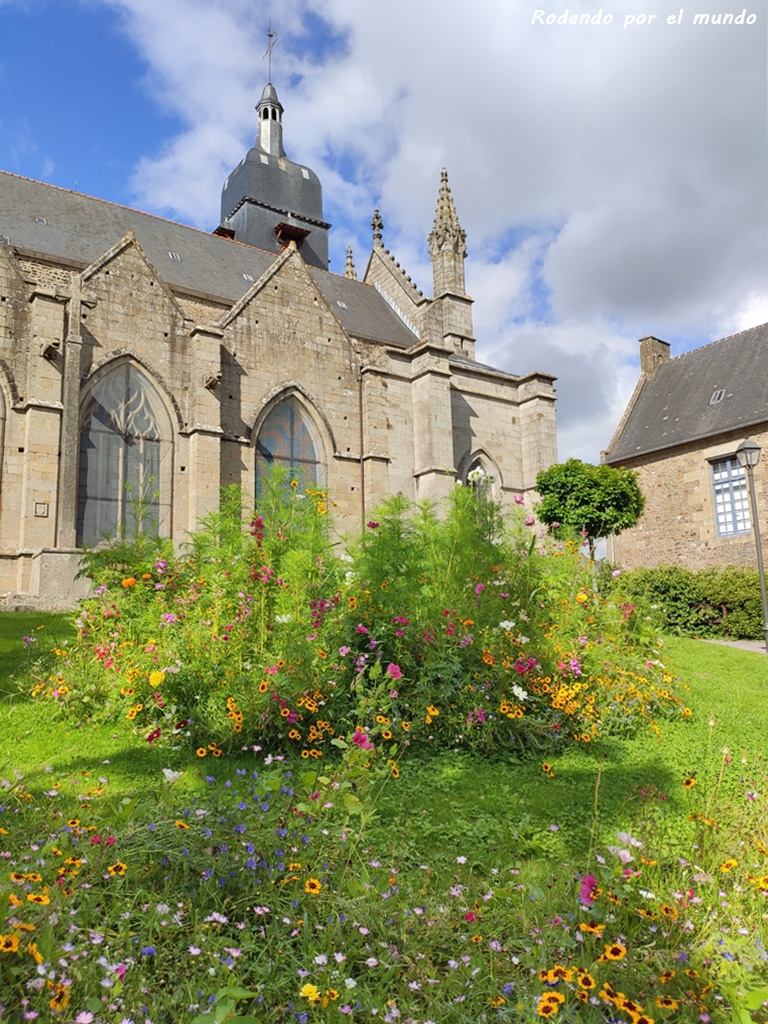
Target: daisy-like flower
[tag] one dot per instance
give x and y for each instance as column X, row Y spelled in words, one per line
column 181, row 824
column 615, row 951
column 118, row 868
column 729, row 864
column 667, row 1003
column 9, row 943
column 312, row 886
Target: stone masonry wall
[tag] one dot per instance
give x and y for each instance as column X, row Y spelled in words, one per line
column 678, row 526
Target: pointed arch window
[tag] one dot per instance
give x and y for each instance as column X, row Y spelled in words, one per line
column 126, row 451
column 289, row 438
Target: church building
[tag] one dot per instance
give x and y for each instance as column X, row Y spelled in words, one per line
column 140, row 358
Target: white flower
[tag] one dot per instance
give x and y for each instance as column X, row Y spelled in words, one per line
column 171, row 776
column 350, row 983
column 507, row 625
column 519, row 692
column 628, row 840
column 461, row 860
column 282, row 619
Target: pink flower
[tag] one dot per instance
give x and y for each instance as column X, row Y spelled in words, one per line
column 470, row 916
column 394, row 671
column 360, row 739
column 588, row 886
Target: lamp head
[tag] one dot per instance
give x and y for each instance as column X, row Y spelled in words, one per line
column 748, row 454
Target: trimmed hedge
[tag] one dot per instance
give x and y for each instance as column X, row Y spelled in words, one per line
column 704, row 603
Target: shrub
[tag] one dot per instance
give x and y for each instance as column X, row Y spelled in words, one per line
column 705, row 603
column 452, row 626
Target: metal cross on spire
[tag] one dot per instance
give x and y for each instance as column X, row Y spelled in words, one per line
column 272, row 37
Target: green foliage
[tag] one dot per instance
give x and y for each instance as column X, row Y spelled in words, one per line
column 596, row 501
column 441, row 626
column 715, row 602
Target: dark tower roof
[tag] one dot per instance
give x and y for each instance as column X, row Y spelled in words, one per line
column 268, row 200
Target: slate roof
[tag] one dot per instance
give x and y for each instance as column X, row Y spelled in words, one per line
column 78, row 229
column 676, row 405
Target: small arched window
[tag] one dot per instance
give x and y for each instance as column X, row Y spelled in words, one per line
column 126, row 450
column 289, row 438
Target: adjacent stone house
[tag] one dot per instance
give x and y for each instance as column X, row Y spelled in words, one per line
column 680, row 432
column 144, row 357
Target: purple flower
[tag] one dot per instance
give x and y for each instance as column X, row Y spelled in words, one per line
column 148, row 951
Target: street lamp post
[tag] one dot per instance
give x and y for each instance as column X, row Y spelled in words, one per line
column 748, row 454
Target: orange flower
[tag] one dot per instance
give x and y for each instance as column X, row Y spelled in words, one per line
column 129, row 581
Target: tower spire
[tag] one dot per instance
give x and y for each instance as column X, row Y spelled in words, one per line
column 447, row 244
column 349, row 267
column 447, row 251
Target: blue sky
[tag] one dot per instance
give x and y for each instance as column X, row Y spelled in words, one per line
column 612, row 181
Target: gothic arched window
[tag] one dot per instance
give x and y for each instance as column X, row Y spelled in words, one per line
column 124, row 475
column 290, row 439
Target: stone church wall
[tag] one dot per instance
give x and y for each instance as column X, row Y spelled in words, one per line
column 678, row 526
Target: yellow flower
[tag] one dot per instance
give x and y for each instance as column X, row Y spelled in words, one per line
column 34, row 952
column 312, row 886
column 729, row 864
column 311, row 993
column 156, row 678
column 181, row 824
column 9, row 943
column 432, row 710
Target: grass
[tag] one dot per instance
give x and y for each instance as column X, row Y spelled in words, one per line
column 459, row 795
column 15, row 655
column 452, row 829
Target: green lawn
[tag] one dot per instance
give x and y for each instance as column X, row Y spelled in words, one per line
column 446, row 797
column 438, row 898
column 15, row 655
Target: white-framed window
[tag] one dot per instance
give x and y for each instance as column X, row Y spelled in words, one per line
column 729, row 484
column 126, row 451
column 289, row 438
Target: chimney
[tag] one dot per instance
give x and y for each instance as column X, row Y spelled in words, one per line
column 653, row 352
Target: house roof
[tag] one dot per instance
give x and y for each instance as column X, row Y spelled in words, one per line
column 712, row 390
column 63, row 226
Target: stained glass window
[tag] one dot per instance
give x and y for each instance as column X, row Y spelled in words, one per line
column 125, row 453
column 289, row 438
